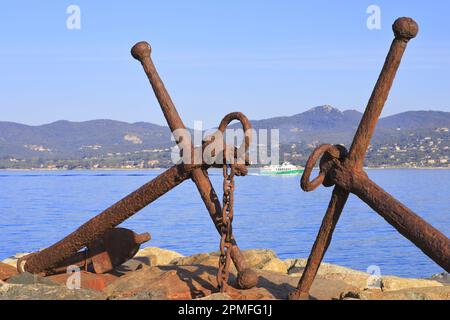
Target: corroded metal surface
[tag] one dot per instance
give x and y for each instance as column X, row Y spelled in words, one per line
column 141, row 51
column 96, row 228
column 345, row 172
column 106, row 220
column 226, row 231
column 115, row 247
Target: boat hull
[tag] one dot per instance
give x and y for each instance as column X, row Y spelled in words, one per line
column 284, row 173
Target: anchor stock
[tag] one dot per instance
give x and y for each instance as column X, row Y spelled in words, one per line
column 141, row 51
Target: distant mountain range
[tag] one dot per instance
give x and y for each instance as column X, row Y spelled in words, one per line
column 72, row 140
column 328, row 124
column 102, row 138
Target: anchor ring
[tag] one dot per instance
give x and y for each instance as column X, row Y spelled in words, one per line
column 245, row 145
column 305, row 183
column 245, row 126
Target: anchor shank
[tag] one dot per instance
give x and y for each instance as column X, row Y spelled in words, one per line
column 141, row 51
column 323, row 239
column 109, row 218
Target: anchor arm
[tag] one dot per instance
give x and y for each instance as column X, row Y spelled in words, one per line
column 430, row 240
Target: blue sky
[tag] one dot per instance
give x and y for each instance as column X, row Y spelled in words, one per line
column 264, row 58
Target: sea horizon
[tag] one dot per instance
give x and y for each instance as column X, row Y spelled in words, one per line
column 59, row 201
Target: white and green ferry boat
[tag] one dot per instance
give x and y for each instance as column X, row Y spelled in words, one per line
column 285, row 169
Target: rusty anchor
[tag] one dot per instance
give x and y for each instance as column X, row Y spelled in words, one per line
column 345, row 171
column 97, row 227
column 141, row 51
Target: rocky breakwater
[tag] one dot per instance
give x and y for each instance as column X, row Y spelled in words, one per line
column 156, row 273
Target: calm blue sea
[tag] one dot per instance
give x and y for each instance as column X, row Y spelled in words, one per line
column 38, row 208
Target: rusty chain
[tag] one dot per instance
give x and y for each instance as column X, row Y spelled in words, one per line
column 231, row 167
column 227, row 228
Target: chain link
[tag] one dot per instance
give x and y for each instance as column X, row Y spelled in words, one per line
column 226, row 226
